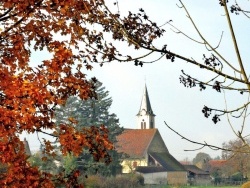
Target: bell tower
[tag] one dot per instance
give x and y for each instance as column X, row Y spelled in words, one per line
column 145, row 116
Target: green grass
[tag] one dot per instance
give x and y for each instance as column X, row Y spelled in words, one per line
column 209, row 186
column 214, row 186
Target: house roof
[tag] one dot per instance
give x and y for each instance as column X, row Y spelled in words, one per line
column 135, row 142
column 217, row 163
column 145, row 103
column 150, row 169
column 167, row 161
column 185, row 162
column 195, row 169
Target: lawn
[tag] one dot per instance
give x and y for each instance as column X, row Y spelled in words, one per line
column 209, row 186
column 214, row 187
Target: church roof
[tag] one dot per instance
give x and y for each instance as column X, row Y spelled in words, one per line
column 145, row 103
column 135, row 142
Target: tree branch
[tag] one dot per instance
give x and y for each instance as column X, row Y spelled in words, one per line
column 235, row 45
column 206, row 42
column 213, row 147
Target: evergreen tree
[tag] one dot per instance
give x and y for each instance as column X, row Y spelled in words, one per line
column 93, row 112
column 44, row 162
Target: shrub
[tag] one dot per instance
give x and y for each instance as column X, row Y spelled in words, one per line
column 238, row 176
column 129, row 180
column 120, row 181
column 93, row 181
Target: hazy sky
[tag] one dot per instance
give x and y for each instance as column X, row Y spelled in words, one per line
column 180, row 107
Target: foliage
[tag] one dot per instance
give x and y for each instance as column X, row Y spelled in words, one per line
column 47, row 164
column 216, row 176
column 93, row 112
column 246, row 185
column 238, row 158
column 30, row 91
column 238, row 176
column 201, row 157
column 69, row 163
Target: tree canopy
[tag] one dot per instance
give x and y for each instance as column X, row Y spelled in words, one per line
column 93, row 112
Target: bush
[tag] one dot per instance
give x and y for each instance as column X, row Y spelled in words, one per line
column 238, row 176
column 93, row 181
column 128, row 180
column 120, row 181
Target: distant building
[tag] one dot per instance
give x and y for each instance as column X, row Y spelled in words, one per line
column 197, row 176
column 145, row 151
column 26, row 147
column 216, row 165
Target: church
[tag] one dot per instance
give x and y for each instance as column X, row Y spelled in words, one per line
column 144, row 151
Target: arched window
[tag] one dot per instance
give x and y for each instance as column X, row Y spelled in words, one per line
column 144, row 125
column 141, row 125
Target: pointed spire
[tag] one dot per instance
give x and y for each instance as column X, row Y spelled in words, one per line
column 26, row 147
column 145, row 116
column 145, row 103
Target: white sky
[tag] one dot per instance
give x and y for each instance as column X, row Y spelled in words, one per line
column 180, row 107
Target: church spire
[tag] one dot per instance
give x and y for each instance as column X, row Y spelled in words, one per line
column 145, row 116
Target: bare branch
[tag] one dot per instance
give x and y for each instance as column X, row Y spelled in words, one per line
column 205, row 144
column 235, row 44
column 180, row 32
column 206, row 42
column 217, row 45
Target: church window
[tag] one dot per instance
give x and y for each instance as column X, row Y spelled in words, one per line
column 144, row 125
column 141, row 125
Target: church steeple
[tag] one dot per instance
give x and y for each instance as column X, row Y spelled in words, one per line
column 145, row 116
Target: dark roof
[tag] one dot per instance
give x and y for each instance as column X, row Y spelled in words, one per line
column 195, row 169
column 135, row 142
column 167, row 161
column 150, row 169
column 145, row 100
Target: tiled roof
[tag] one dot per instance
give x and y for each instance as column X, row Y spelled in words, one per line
column 217, row 163
column 195, row 169
column 167, row 161
column 135, row 142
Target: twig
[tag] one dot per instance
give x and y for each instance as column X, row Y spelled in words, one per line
column 205, row 41
column 204, row 144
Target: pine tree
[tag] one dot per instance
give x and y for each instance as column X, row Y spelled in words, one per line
column 93, row 112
